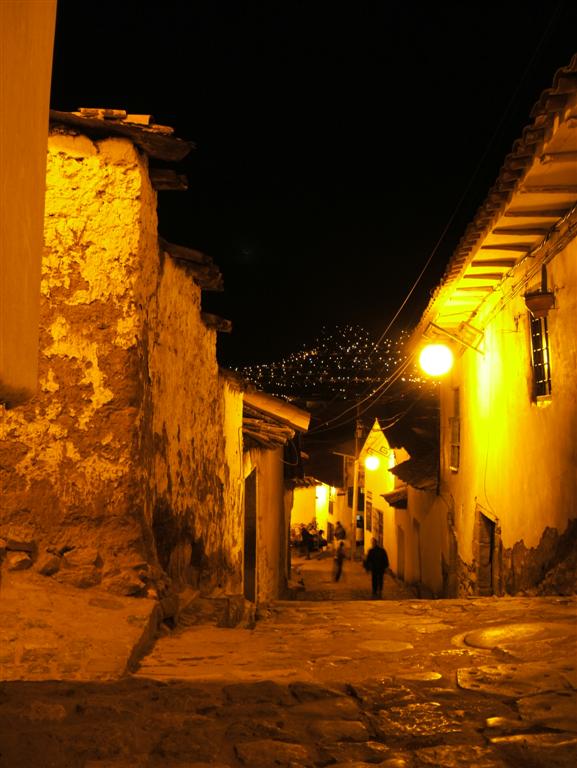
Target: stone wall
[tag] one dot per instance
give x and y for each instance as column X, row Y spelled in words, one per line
column 121, row 455
column 68, row 456
column 188, row 477
column 550, row 568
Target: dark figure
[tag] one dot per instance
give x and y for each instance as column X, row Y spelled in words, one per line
column 308, row 541
column 322, row 543
column 340, row 533
column 377, row 562
column 339, row 558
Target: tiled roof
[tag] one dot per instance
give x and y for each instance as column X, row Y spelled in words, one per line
column 419, row 471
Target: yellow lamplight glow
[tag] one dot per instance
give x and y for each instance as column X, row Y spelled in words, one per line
column 372, row 462
column 436, row 359
column 322, row 493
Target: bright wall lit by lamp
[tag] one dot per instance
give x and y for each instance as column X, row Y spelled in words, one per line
column 436, row 359
column 322, row 492
column 372, row 462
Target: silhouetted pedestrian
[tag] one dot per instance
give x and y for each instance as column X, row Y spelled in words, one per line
column 322, row 543
column 339, row 559
column 340, row 533
column 377, row 562
column 308, row 541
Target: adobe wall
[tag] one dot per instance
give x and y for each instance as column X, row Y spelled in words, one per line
column 131, row 448
column 192, row 491
column 68, row 457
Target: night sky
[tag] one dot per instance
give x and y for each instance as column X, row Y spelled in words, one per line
column 335, row 142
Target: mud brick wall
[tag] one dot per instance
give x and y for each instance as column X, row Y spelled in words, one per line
column 192, row 492
column 121, row 455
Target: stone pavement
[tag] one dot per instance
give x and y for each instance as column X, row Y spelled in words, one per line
column 485, row 682
column 52, row 631
column 316, row 579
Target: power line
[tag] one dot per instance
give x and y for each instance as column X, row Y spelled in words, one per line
column 460, row 201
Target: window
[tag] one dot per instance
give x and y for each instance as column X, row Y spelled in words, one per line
column 379, row 527
column 369, row 511
column 360, row 498
column 540, row 357
column 455, row 430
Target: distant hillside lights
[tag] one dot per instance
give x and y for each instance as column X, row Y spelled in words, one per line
column 341, row 362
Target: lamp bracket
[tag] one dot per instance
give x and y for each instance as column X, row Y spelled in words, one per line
column 474, row 334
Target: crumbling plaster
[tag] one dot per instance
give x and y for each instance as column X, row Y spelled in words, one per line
column 71, row 478
column 128, row 419
column 189, row 472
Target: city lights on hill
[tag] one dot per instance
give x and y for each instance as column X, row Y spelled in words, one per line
column 340, row 363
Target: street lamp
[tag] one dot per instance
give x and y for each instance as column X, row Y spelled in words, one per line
column 372, row 462
column 436, row 359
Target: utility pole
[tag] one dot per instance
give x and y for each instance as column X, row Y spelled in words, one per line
column 358, row 436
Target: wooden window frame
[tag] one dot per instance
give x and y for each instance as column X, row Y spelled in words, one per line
column 455, row 433
column 540, row 357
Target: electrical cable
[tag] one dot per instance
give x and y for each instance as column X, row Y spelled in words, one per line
column 384, row 386
column 461, row 199
column 482, row 159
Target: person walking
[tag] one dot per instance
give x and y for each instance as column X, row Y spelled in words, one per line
column 376, row 562
column 339, row 559
column 340, row 533
column 307, row 541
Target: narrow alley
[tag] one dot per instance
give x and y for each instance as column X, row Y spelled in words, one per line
column 287, row 393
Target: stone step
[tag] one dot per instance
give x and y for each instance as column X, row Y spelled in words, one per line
column 225, row 611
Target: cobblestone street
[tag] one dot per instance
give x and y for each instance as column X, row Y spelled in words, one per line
column 407, row 683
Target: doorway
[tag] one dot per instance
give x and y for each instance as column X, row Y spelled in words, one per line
column 485, row 582
column 400, row 553
column 417, row 563
column 250, row 537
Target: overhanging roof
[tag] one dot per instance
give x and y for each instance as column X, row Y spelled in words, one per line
column 263, row 431
column 419, row 472
column 270, row 422
column 536, row 189
column 305, row 482
column 205, row 272
column 156, row 140
column 397, row 498
column 282, row 411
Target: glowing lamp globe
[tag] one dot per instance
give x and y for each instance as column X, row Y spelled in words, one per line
column 436, row 359
column 372, row 462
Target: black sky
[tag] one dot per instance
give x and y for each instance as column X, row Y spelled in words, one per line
column 334, row 140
